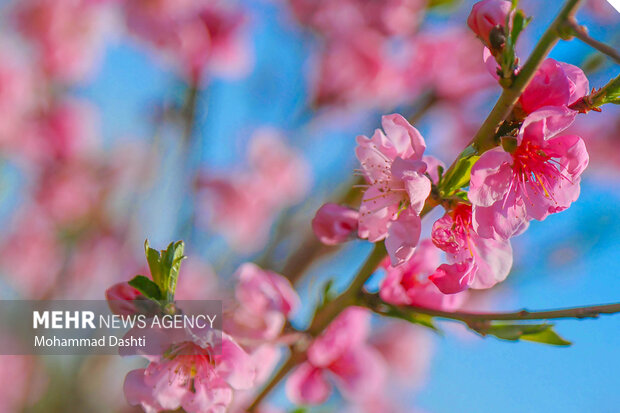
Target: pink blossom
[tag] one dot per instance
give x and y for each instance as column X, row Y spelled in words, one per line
column 440, row 57
column 334, row 224
column 340, row 353
column 407, row 350
column 392, row 164
column 70, row 192
column 190, row 375
column 554, row 84
column 67, row 35
column 408, row 284
column 336, row 19
column 265, row 300
column 17, row 94
column 121, row 299
column 539, row 178
column 195, row 35
column 22, row 381
column 473, row 261
column 243, row 204
column 34, row 271
column 358, row 71
column 64, row 131
column 486, row 15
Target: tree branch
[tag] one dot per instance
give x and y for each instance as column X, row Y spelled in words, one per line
column 375, row 304
column 581, row 33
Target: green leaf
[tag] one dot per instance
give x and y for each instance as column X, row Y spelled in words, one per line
column 153, row 258
column 519, row 22
column 147, row 287
column 171, row 262
column 442, row 3
column 548, row 336
column 164, row 266
column 610, row 93
column 412, row 317
column 540, row 333
column 458, row 177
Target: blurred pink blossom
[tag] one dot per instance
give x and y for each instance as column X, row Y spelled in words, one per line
column 358, row 71
column 34, row 271
column 17, row 95
column 407, row 350
column 67, row 34
column 66, row 130
column 243, row 204
column 264, row 302
column 334, row 224
column 22, row 382
column 441, row 57
column 195, row 35
column 340, row 353
column 348, row 17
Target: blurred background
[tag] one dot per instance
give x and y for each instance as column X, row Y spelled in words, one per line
column 227, row 124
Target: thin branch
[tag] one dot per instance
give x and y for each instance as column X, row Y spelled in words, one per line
column 374, row 303
column 581, row 33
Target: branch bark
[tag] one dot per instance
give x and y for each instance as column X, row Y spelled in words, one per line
column 374, row 303
column 581, row 33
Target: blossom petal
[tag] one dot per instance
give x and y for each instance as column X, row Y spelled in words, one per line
column 211, row 395
column 307, row 385
column 545, row 123
column 493, row 261
column 376, row 212
column 406, row 139
column 235, row 365
column 403, row 237
column 490, row 177
column 579, row 85
column 137, row 392
column 453, row 278
column 359, row 372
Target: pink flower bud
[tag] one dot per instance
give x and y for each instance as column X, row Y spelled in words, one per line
column 121, row 299
column 334, row 224
column 487, row 14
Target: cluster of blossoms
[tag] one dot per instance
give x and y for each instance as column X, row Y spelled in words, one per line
column 535, row 172
column 189, row 372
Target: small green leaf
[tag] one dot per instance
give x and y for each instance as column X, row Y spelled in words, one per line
column 458, row 177
column 519, row 22
column 610, row 93
column 442, row 3
column 153, row 259
column 412, row 317
column 540, row 333
column 548, row 336
column 147, row 287
column 171, row 263
column 164, row 266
